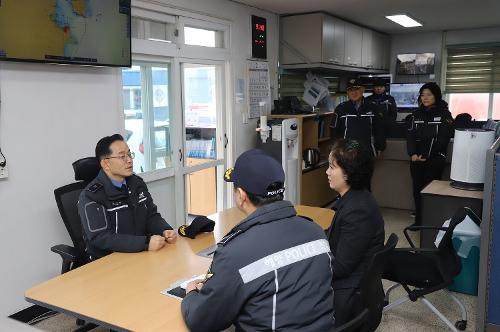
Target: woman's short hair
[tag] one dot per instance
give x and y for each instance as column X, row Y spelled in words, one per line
column 356, row 160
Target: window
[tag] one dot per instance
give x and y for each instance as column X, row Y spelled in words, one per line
column 143, row 28
column 476, row 104
column 147, row 120
column 473, row 81
column 203, row 37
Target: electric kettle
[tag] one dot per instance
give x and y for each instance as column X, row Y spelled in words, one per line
column 311, row 156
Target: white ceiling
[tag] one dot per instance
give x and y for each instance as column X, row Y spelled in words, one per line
column 435, row 15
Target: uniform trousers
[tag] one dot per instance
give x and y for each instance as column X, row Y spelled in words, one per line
column 422, row 173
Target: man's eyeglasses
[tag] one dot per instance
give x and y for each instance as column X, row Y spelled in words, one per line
column 130, row 155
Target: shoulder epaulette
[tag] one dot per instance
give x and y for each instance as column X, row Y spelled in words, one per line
column 95, row 187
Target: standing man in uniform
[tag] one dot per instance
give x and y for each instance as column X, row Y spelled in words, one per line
column 357, row 119
column 382, row 102
column 272, row 271
column 116, row 209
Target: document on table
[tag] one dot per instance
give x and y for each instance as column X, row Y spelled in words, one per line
column 178, row 288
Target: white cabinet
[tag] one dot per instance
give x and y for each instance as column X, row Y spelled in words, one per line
column 375, row 50
column 317, row 38
column 368, row 50
column 353, row 43
column 333, row 40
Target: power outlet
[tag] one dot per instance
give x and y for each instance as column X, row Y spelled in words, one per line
column 4, row 172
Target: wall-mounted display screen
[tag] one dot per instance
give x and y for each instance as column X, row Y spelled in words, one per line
column 415, row 64
column 259, row 40
column 88, row 32
column 406, row 95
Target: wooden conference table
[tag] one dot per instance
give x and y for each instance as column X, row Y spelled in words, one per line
column 122, row 291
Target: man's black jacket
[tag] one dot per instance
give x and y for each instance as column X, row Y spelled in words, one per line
column 115, row 219
column 363, row 125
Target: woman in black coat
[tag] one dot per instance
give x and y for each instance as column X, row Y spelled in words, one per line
column 427, row 141
column 357, row 229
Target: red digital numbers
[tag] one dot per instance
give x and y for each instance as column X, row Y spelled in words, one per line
column 260, row 27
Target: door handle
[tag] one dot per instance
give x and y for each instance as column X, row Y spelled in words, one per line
column 181, row 156
column 226, row 140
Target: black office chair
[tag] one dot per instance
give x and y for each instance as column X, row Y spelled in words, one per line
column 371, row 292
column 427, row 270
column 86, row 170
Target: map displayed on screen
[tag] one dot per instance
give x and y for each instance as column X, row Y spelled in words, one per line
column 67, row 31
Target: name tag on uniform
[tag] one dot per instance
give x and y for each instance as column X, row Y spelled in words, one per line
column 437, row 118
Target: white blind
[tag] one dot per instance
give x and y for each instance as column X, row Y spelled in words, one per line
column 473, row 69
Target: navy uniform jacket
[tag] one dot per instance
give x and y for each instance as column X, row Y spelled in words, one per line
column 271, row 272
column 362, row 125
column 115, row 219
column 356, row 234
column 384, row 105
column 430, row 131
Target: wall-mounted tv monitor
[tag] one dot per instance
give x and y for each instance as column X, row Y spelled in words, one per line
column 415, row 64
column 85, row 32
column 406, row 94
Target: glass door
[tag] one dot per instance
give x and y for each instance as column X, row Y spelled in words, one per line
column 204, row 143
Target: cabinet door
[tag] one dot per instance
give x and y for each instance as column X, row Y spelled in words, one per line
column 385, row 53
column 302, row 38
column 367, row 50
column 353, row 42
column 333, row 40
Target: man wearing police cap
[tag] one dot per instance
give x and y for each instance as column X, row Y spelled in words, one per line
column 382, row 102
column 272, row 271
column 357, row 119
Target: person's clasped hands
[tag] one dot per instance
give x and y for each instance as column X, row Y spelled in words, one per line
column 156, row 242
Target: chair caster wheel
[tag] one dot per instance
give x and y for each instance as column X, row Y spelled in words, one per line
column 461, row 325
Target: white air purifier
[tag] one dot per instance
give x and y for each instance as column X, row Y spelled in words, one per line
column 469, row 157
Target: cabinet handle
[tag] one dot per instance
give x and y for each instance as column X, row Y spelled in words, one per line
column 226, row 140
column 181, row 156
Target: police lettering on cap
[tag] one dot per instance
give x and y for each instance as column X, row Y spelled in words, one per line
column 255, row 171
column 354, row 83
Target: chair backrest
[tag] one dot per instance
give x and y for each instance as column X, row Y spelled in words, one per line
column 67, row 199
column 86, row 169
column 449, row 263
column 371, row 292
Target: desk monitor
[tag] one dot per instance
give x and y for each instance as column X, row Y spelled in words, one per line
column 406, row 94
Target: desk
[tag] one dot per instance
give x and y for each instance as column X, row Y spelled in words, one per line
column 122, row 291
column 439, row 203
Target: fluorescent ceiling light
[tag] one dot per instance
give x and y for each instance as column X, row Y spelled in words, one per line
column 404, row 20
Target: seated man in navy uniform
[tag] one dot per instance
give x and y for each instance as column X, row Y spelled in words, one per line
column 272, row 271
column 116, row 209
column 357, row 119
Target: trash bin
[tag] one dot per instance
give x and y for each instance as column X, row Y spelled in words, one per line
column 467, row 241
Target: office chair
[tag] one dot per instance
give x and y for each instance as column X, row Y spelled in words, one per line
column 427, row 270
column 371, row 292
column 86, row 170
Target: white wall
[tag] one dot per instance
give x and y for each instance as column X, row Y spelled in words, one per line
column 52, row 115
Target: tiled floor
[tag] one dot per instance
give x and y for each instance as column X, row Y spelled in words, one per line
column 407, row 317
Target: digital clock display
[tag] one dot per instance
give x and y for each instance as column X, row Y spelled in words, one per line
column 259, row 41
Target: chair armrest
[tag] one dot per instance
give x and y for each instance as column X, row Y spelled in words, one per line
column 420, row 228
column 68, row 254
column 354, row 323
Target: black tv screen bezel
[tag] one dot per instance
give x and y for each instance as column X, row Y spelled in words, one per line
column 79, row 63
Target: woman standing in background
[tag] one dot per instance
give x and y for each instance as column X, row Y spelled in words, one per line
column 427, row 141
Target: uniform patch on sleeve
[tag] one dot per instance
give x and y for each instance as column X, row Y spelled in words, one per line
column 95, row 215
column 95, row 187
